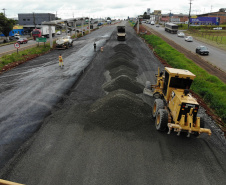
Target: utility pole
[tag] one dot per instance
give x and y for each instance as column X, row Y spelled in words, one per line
column 189, row 16
column 4, row 11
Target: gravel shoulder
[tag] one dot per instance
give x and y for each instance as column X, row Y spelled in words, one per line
column 71, row 149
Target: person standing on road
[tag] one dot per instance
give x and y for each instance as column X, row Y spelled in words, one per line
column 61, row 63
column 95, row 46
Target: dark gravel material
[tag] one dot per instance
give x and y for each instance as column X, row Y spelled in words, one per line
column 123, row 82
column 119, row 110
column 122, row 54
column 120, row 61
column 123, row 70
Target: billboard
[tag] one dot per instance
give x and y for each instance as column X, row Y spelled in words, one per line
column 205, row 21
column 157, row 12
column 148, row 11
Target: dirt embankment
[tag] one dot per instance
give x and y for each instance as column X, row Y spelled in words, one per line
column 202, row 63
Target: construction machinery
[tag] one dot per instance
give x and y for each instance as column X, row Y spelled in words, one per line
column 174, row 107
column 121, row 35
column 64, row 42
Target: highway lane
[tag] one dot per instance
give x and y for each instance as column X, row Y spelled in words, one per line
column 217, row 57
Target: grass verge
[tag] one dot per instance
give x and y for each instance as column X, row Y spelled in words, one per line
column 209, row 87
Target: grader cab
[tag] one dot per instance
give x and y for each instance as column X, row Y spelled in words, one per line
column 174, row 107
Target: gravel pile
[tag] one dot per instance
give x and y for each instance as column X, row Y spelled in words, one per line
column 119, row 110
column 123, row 82
column 120, row 61
column 121, row 54
column 123, row 48
column 123, row 70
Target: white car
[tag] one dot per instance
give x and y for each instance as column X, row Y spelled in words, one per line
column 58, row 33
column 189, row 39
column 218, row 28
column 180, row 34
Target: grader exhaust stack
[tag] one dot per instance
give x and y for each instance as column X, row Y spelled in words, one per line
column 174, row 107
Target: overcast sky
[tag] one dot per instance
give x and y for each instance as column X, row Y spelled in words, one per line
column 105, row 8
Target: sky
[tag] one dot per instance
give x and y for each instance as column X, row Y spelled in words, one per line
column 116, row 9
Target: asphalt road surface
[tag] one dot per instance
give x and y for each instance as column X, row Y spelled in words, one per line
column 216, row 56
column 69, row 149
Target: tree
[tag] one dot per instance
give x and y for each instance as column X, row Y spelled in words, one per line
column 145, row 16
column 6, row 25
column 108, row 18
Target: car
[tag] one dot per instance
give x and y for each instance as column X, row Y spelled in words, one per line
column 17, row 35
column 202, row 50
column 58, row 33
column 189, row 39
column 218, row 28
column 180, row 34
column 157, row 25
column 22, row 41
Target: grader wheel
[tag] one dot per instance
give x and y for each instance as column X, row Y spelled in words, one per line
column 161, row 120
column 158, row 104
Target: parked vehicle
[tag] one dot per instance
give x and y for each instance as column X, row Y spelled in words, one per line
column 17, row 35
column 22, row 41
column 152, row 22
column 189, row 39
column 180, row 34
column 99, row 24
column 171, row 28
column 202, row 50
column 43, row 31
column 218, row 28
column 58, row 33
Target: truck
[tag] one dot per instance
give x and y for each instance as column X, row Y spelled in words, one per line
column 64, row 42
column 174, row 107
column 171, row 28
column 121, row 34
column 43, row 31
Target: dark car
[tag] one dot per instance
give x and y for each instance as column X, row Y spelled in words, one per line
column 202, row 50
column 22, row 40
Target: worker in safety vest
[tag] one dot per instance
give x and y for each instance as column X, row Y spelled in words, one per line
column 61, row 63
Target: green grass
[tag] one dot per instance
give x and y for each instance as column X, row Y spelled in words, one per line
column 209, row 87
column 14, row 57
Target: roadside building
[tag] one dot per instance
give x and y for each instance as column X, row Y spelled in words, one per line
column 170, row 17
column 31, row 20
column 220, row 16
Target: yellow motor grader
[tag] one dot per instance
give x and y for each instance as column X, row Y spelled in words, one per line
column 174, row 107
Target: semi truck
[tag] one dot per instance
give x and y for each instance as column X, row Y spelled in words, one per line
column 121, row 35
column 43, row 31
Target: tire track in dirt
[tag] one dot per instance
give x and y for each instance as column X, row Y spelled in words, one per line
column 199, row 61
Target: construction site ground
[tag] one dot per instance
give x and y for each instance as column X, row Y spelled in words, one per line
column 71, row 148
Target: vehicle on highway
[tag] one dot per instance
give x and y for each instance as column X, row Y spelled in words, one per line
column 189, row 39
column 58, row 33
column 99, row 24
column 202, row 50
column 152, row 22
column 22, row 41
column 64, row 42
column 218, row 28
column 180, row 34
column 17, row 35
column 157, row 25
column 171, row 28
column 43, row 31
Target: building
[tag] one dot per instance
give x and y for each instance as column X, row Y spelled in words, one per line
column 220, row 15
column 30, row 20
column 173, row 17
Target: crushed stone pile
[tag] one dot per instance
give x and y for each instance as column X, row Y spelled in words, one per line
column 123, row 48
column 122, row 70
column 127, row 56
column 118, row 62
column 119, row 110
column 123, row 82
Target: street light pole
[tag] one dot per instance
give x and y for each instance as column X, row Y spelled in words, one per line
column 189, row 16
